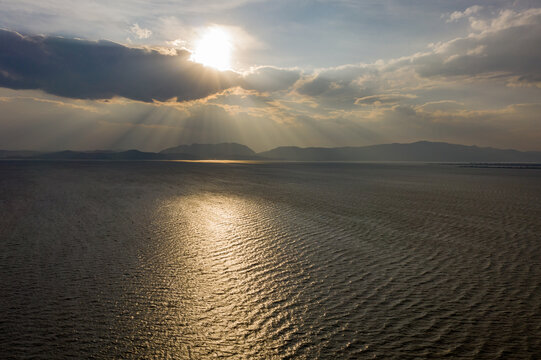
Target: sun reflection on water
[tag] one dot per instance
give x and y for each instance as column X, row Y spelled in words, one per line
column 217, row 161
column 222, row 287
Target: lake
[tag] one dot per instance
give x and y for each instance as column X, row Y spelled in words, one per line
column 269, row 260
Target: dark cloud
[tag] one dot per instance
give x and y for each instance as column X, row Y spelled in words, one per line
column 101, row 70
column 267, row 79
column 506, row 46
column 338, row 81
column 342, row 86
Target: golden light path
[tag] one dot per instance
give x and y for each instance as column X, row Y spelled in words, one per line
column 224, row 161
column 214, row 265
column 214, row 49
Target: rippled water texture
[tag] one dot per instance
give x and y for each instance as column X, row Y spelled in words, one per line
column 263, row 261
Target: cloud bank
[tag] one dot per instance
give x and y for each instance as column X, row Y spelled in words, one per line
column 502, row 49
column 481, row 88
column 102, row 70
column 507, row 45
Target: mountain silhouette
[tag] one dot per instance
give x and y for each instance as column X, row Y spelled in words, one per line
column 417, row 151
column 211, row 151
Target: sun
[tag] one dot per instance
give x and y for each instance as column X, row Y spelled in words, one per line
column 214, row 49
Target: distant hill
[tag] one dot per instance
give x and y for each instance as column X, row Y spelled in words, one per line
column 417, row 151
column 211, row 151
column 17, row 154
column 101, row 155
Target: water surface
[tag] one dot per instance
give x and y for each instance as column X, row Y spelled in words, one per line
column 269, row 260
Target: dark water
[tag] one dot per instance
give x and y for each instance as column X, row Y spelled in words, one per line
column 268, row 261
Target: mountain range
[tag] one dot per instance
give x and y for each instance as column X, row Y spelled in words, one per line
column 418, row 151
column 211, row 151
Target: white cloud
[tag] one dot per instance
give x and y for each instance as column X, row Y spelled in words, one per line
column 141, row 33
column 457, row 15
column 505, row 47
column 384, row 99
column 507, row 19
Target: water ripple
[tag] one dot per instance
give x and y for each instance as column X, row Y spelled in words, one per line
column 269, row 261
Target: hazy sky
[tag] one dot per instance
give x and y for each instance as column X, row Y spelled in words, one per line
column 154, row 74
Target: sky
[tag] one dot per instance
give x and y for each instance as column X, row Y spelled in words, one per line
column 148, row 75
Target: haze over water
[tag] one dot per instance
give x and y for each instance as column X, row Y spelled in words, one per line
column 269, row 260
